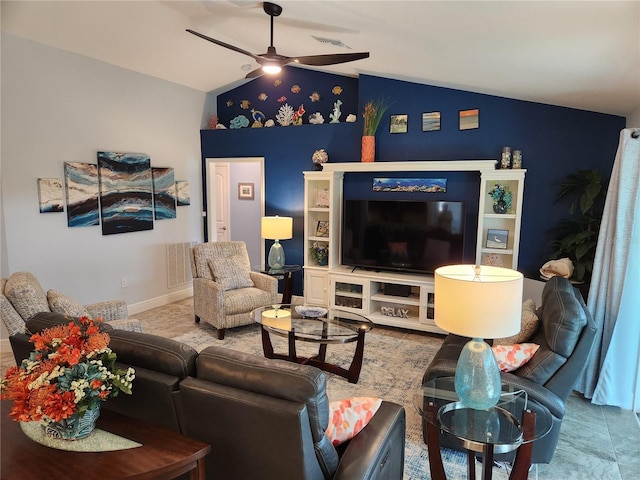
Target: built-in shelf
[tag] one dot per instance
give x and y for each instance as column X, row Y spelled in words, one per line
column 362, row 291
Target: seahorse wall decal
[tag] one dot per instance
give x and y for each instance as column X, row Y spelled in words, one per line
column 335, row 116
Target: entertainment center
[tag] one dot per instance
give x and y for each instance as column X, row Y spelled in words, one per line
column 397, row 290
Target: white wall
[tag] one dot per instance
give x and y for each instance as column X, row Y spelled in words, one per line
column 57, row 107
column 245, row 215
column 633, row 120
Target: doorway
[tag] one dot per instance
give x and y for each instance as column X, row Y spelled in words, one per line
column 234, row 213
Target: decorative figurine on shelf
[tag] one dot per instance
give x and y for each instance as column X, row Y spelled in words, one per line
column 319, row 157
column 335, row 115
column 505, row 162
column 517, row 159
column 502, row 197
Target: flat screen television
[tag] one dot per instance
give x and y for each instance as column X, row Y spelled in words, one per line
column 405, row 236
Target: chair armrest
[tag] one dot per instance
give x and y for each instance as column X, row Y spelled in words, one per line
column 536, row 392
column 264, row 282
column 377, row 452
column 113, row 310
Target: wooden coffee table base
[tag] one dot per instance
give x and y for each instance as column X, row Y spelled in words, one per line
column 319, row 360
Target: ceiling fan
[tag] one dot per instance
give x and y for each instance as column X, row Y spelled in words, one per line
column 272, row 62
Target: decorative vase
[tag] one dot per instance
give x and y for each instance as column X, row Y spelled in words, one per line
column 76, row 426
column 368, row 148
column 500, row 206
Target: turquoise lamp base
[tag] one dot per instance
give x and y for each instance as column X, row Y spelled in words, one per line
column 477, row 380
column 276, row 256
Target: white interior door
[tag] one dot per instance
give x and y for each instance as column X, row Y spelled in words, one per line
column 221, row 194
column 230, row 217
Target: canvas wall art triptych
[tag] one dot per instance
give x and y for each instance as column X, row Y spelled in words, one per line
column 122, row 190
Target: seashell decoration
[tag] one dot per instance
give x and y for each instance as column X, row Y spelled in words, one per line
column 316, row 118
column 285, row 115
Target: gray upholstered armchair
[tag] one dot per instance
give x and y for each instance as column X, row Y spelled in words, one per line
column 225, row 290
column 22, row 296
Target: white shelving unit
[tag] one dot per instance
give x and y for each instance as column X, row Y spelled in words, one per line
column 375, row 295
column 368, row 292
column 322, row 203
column 498, row 223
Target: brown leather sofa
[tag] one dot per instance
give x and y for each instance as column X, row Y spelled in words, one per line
column 263, row 418
column 566, row 335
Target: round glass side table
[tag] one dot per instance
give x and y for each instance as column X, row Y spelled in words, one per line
column 513, row 424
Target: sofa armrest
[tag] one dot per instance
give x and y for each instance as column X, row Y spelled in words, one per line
column 113, row 310
column 377, row 452
column 264, row 282
column 536, row 392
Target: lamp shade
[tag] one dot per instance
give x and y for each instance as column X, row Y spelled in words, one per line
column 277, row 228
column 478, row 301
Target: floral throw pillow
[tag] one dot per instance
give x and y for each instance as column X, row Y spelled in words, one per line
column 347, row 417
column 512, row 357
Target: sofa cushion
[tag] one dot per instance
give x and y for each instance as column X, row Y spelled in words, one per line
column 64, row 305
column 563, row 316
column 11, row 319
column 275, row 378
column 528, row 325
column 231, row 272
column 26, row 295
column 349, row 416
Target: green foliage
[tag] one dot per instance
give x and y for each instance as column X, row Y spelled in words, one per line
column 576, row 236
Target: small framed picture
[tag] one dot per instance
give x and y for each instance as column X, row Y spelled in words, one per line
column 245, row 191
column 398, row 123
column 430, row 121
column 322, row 229
column 322, row 197
column 469, row 119
column 497, row 238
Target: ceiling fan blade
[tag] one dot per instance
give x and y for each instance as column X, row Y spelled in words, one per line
column 330, row 59
column 255, row 73
column 223, row 44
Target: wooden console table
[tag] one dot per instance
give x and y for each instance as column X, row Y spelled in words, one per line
column 163, row 455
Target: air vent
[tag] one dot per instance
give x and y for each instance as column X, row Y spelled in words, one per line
column 331, row 41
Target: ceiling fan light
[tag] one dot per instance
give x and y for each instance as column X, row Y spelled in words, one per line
column 271, row 68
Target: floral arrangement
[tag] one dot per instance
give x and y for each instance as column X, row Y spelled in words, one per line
column 319, row 253
column 70, row 371
column 373, row 112
column 502, row 192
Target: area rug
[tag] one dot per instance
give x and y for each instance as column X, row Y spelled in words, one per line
column 394, row 362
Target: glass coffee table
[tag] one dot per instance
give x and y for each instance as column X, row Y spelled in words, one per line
column 513, row 424
column 314, row 324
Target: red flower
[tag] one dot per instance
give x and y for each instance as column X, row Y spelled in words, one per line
column 60, row 405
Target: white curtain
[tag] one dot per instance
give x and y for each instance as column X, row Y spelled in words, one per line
column 612, row 374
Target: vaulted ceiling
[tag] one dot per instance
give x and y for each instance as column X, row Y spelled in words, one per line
column 580, row 54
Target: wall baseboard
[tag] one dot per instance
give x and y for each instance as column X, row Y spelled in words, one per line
column 159, row 301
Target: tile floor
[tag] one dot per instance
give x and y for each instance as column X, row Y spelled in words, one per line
column 605, row 439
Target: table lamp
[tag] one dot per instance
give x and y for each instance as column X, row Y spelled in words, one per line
column 277, row 228
column 478, row 302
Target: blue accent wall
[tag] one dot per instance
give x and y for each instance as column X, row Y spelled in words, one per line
column 554, row 140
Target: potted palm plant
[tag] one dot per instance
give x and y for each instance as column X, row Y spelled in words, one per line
column 576, row 236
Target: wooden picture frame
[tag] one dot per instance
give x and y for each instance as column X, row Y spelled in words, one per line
column 399, row 123
column 469, row 119
column 322, row 228
column 431, row 121
column 245, row 191
column 497, row 238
